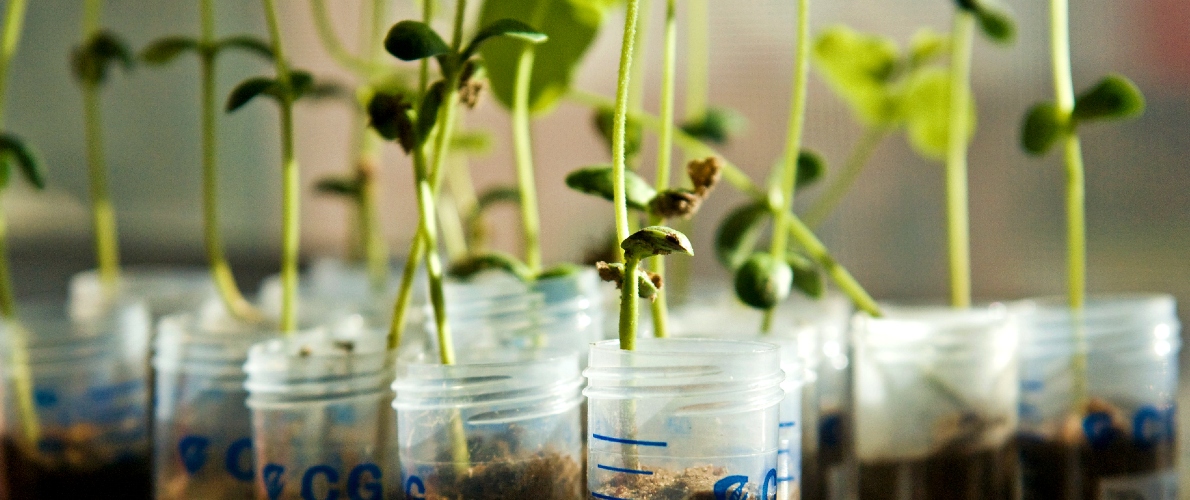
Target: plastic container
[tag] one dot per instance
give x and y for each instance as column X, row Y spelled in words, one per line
column 321, row 416
column 936, row 403
column 203, row 430
column 165, row 289
column 683, row 418
column 491, row 429
column 1116, row 440
column 89, row 396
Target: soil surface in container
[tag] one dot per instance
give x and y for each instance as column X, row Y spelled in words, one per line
column 695, row 483
column 817, row 466
column 988, row 474
column 182, row 486
column 31, row 478
column 501, row 471
column 1069, row 467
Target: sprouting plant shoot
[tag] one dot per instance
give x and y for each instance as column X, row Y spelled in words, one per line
column 208, row 48
column 92, row 62
column 999, row 27
column 412, row 120
column 1046, row 124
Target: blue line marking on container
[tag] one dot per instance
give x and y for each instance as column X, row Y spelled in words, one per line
column 783, row 451
column 601, row 437
column 629, row 471
column 606, row 497
column 787, row 424
column 785, row 479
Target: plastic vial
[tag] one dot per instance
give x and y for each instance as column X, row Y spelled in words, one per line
column 1097, row 418
column 683, row 418
column 321, row 420
column 936, row 404
column 165, row 290
column 84, row 384
column 491, row 430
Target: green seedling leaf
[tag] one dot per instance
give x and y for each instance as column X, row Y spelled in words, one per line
column 341, row 186
column 1042, row 128
column 414, row 40
column 427, row 113
column 92, row 59
column 647, row 283
column 633, row 133
column 927, row 46
column 13, row 149
column 247, row 90
column 571, row 26
column 810, row 167
column 469, row 267
column 716, row 126
column 997, row 25
column 246, row 43
column 926, row 110
column 1114, row 97
column 598, row 180
column 859, row 67
column 807, row 277
column 167, row 49
column 496, row 196
column 738, row 233
column 762, row 282
column 561, row 270
column 471, row 142
column 507, row 28
column 388, row 114
column 655, row 240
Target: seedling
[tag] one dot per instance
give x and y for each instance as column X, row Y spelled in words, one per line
column 208, row 48
column 91, row 63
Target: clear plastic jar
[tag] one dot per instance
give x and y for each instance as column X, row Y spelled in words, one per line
column 936, row 404
column 203, row 430
column 321, row 419
column 165, row 290
column 683, row 418
column 1116, row 439
column 84, row 384
column 491, row 430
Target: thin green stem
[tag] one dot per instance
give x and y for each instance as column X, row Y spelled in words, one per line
column 636, row 87
column 221, row 272
column 665, row 153
column 829, row 200
column 107, row 250
column 628, row 302
column 793, row 144
column 454, row 236
column 423, row 75
column 14, row 18
column 7, row 302
column 697, row 59
column 818, row 252
column 1076, row 241
column 326, row 33
column 405, row 292
column 522, row 142
column 958, row 224
column 619, row 126
column 429, row 233
column 290, row 184
column 375, row 248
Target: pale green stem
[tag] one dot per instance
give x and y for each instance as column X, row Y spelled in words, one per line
column 619, row 165
column 1076, row 223
column 793, row 144
column 800, row 233
column 423, row 77
column 334, row 46
column 665, row 152
column 221, row 272
column 958, row 225
column 290, row 184
column 454, row 237
column 375, row 248
column 14, row 18
column 522, row 141
column 829, row 200
column 405, row 292
column 107, row 251
column 429, row 232
column 628, row 302
column 697, row 59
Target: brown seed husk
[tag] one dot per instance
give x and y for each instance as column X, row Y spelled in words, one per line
column 704, row 174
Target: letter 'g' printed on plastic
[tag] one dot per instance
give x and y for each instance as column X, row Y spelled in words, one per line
column 274, row 480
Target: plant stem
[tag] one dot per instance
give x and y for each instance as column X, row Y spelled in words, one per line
column 636, row 87
column 628, row 302
column 856, row 161
column 817, row 251
column 429, row 234
column 375, row 248
column 793, row 144
column 107, row 251
column 221, row 272
column 697, row 60
column 665, row 153
column 522, row 142
column 423, row 78
column 14, row 18
column 958, row 224
column 326, row 33
column 291, row 182
column 1076, row 239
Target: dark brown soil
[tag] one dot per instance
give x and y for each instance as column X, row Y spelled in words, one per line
column 834, row 438
column 1071, row 468
column 946, row 475
column 506, row 473
column 695, row 483
column 30, row 478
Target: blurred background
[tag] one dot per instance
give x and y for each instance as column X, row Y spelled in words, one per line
column 889, row 230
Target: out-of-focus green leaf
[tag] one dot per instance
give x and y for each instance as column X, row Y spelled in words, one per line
column 807, row 277
column 571, row 26
column 1114, row 97
column 92, row 59
column 717, row 126
column 598, row 180
column 471, row 142
column 762, row 282
column 858, row 67
column 633, row 133
column 927, row 46
column 342, row 186
column 1042, row 128
column 738, row 233
column 166, row 49
column 997, row 25
column 926, row 110
column 414, row 40
column 471, row 266
column 427, row 113
column 246, row 43
column 506, row 28
column 810, row 167
column 13, row 149
column 656, row 240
